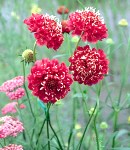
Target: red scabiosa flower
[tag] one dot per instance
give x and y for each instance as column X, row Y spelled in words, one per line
column 49, row 80
column 88, row 24
column 46, row 29
column 65, row 28
column 88, row 65
column 12, row 147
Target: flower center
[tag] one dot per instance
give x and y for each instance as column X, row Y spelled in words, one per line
column 51, row 84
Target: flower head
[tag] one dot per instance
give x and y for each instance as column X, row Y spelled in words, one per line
column 88, row 65
column 28, row 55
column 110, row 41
column 13, row 88
column 62, row 10
column 11, row 108
column 10, row 126
column 88, row 24
column 12, row 147
column 49, row 80
column 103, row 125
column 46, row 29
column 123, row 23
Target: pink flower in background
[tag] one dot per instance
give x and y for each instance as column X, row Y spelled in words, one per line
column 17, row 94
column 46, row 29
column 88, row 24
column 10, row 127
column 49, row 80
column 11, row 108
column 13, row 89
column 12, row 84
column 88, row 65
column 12, row 147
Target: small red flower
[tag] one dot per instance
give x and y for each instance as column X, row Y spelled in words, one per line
column 88, row 24
column 88, row 65
column 62, row 10
column 65, row 28
column 49, row 80
column 46, row 30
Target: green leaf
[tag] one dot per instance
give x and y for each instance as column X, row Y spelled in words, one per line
column 42, row 105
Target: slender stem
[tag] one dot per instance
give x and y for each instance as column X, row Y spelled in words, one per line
column 4, row 142
column 1, row 144
column 49, row 121
column 58, row 124
column 89, row 122
column 73, row 125
column 79, row 41
column 47, row 118
column 34, row 51
column 27, row 91
column 115, row 127
column 96, row 133
column 39, row 134
column 25, row 130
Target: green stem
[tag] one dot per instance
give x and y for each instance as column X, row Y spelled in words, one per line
column 79, row 41
column 49, row 122
column 34, row 51
column 96, row 133
column 39, row 134
column 73, row 125
column 47, row 118
column 115, row 127
column 27, row 91
column 59, row 127
column 89, row 122
column 25, row 131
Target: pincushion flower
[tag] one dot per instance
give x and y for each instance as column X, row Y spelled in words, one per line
column 88, row 65
column 12, row 147
column 46, row 29
column 11, row 108
column 10, row 126
column 88, row 24
column 49, row 80
column 13, row 88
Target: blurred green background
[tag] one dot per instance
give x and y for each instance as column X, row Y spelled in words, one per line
column 15, row 38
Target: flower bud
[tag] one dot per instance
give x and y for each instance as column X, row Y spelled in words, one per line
column 109, row 41
column 103, row 125
column 28, row 55
column 62, row 10
column 91, row 111
column 128, row 120
column 75, row 39
column 123, row 23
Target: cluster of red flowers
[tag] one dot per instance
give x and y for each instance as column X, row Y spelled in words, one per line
column 49, row 80
column 12, row 147
column 10, row 127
